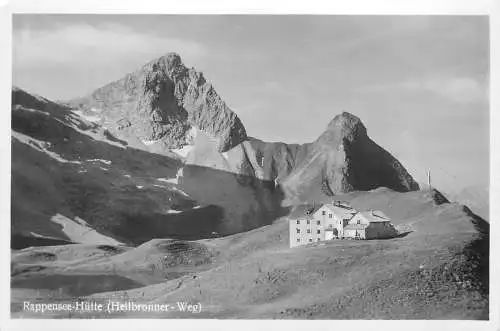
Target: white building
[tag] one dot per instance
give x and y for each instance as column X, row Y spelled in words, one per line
column 311, row 223
column 337, row 220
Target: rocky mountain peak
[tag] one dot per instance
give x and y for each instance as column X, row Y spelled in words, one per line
column 170, row 64
column 347, row 126
column 160, row 102
column 173, row 60
column 345, row 159
column 344, row 126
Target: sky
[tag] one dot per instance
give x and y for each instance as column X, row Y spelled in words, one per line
column 420, row 84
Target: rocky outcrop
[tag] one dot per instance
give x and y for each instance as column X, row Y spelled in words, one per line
column 161, row 102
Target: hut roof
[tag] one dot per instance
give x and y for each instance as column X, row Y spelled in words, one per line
column 375, row 216
column 344, row 211
column 304, row 211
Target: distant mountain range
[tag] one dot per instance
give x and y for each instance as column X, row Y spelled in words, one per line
column 163, row 103
column 476, row 198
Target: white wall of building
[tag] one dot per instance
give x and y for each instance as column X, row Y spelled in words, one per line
column 305, row 231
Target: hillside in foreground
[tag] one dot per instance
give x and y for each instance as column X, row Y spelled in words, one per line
column 437, row 269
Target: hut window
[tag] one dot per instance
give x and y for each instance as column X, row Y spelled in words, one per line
column 298, row 240
column 318, row 232
column 308, row 230
column 330, row 215
column 298, row 221
column 308, row 222
column 323, row 212
column 310, row 240
column 318, row 222
column 298, row 230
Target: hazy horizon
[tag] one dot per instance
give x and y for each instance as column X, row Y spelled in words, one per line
column 418, row 83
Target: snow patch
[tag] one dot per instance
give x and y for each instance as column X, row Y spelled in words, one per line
column 95, row 109
column 128, row 176
column 174, row 181
column 100, row 160
column 184, row 151
column 36, row 111
column 36, row 235
column 79, row 231
column 41, row 146
column 81, row 221
column 102, row 168
column 197, row 207
column 191, row 135
column 180, row 191
column 140, row 187
column 60, row 159
column 150, row 142
column 180, row 173
column 87, row 117
column 173, row 211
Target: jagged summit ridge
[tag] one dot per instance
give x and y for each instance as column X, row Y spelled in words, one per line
column 162, row 101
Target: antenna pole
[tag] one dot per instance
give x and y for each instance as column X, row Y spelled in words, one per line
column 429, row 179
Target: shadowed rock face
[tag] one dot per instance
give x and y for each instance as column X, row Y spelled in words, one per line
column 161, row 101
column 360, row 163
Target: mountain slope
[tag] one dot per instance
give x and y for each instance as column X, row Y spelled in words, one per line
column 72, row 180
